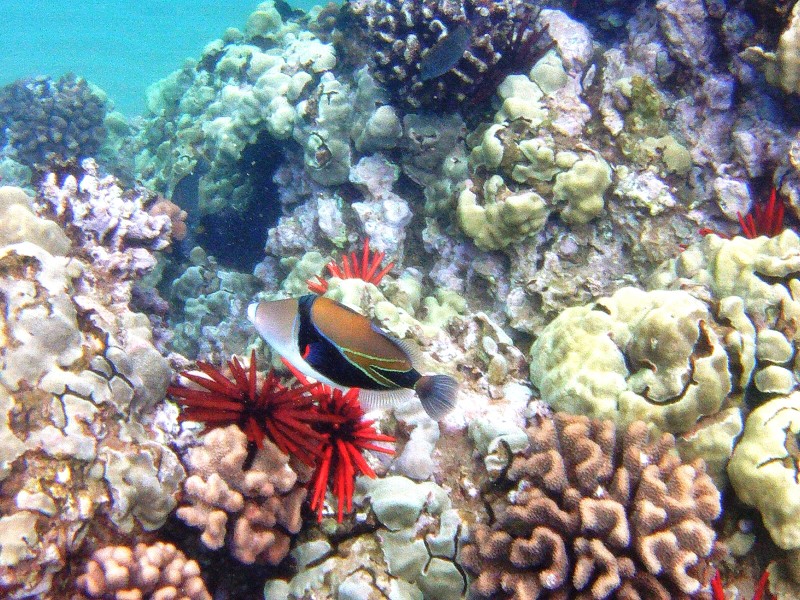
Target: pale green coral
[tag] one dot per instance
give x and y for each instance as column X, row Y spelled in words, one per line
column 651, row 356
column 582, row 188
column 521, row 171
column 504, row 217
column 766, row 460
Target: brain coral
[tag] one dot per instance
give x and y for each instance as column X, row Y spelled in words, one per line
column 400, row 35
column 597, row 515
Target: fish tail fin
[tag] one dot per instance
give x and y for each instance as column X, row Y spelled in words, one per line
column 438, row 394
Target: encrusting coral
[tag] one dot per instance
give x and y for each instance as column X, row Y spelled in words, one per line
column 597, row 513
column 157, row 572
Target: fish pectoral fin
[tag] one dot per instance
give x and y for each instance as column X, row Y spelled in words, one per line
column 382, row 399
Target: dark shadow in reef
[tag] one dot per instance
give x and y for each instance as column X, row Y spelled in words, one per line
column 236, row 237
column 226, row 578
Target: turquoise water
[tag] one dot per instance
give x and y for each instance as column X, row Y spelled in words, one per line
column 121, row 46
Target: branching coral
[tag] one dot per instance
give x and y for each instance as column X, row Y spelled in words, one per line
column 158, row 572
column 253, row 509
column 597, row 515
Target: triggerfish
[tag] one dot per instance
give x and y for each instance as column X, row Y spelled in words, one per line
column 337, row 346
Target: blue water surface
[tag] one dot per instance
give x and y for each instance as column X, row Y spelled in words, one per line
column 121, row 45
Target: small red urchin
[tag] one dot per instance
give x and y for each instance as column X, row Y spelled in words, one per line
column 761, row 592
column 283, row 414
column 347, row 435
column 367, row 269
column 765, row 218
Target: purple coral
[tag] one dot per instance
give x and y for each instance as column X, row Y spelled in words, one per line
column 595, row 515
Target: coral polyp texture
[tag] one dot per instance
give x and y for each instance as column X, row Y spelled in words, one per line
column 594, row 513
column 157, row 572
column 430, row 52
column 52, row 125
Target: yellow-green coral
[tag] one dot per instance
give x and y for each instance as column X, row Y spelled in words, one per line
column 582, row 189
column 636, row 355
column 766, row 460
column 504, row 218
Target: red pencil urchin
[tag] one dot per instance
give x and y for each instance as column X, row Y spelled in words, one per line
column 765, row 218
column 761, row 592
column 340, row 459
column 283, row 414
column 347, row 435
column 367, row 269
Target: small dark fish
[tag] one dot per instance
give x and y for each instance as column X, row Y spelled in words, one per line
column 337, row 346
column 444, row 55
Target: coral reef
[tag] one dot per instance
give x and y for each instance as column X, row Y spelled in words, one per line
column 159, row 572
column 79, row 380
column 253, row 508
column 52, row 125
column 654, row 356
column 597, row 513
column 118, row 229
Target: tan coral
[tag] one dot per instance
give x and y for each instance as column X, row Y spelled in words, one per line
column 157, row 572
column 254, row 510
column 597, row 515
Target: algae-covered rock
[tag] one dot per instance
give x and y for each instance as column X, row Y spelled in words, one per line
column 764, row 467
column 650, row 356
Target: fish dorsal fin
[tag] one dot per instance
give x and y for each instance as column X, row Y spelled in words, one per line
column 411, row 349
column 382, row 399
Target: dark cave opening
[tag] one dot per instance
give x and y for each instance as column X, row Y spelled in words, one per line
column 236, row 237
